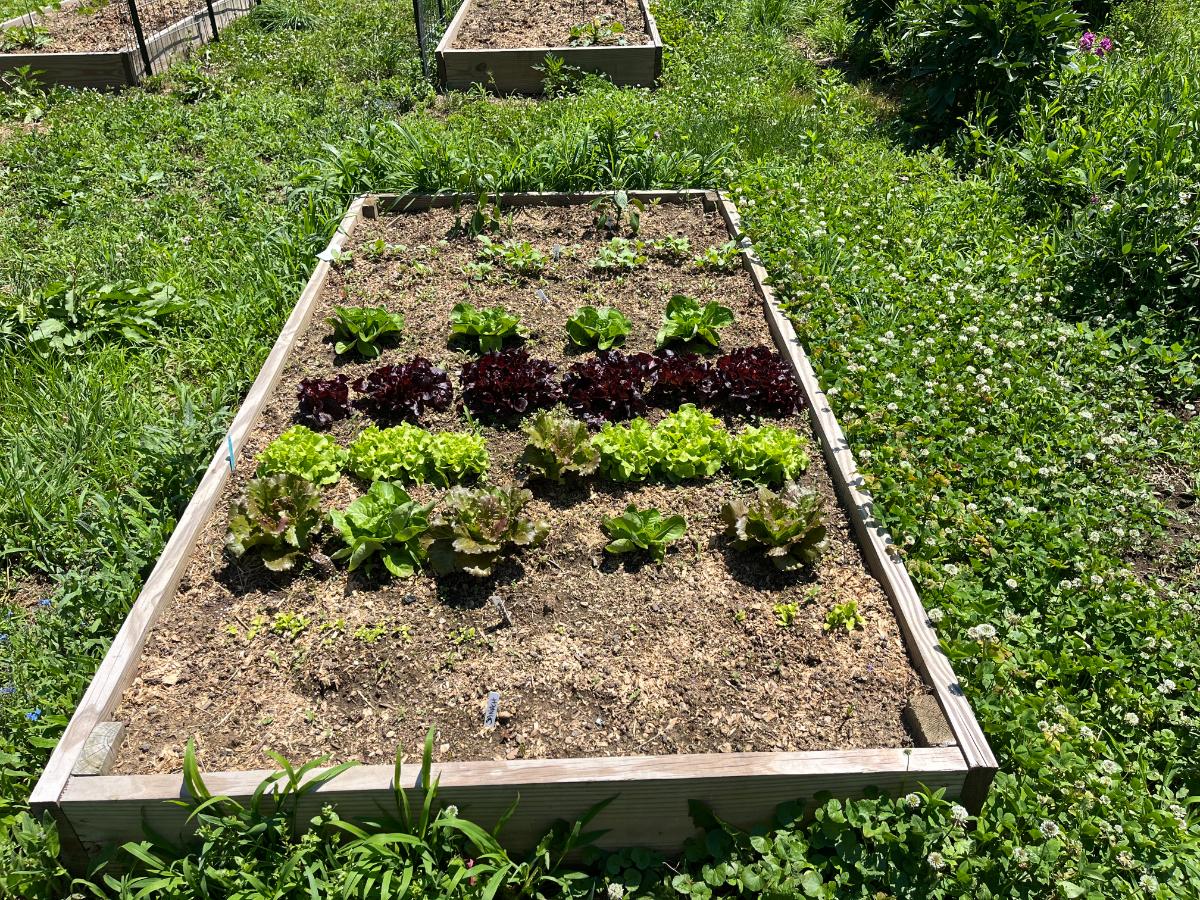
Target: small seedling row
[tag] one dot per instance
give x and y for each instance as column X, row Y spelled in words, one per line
column 543, row 477
column 70, row 45
column 504, row 47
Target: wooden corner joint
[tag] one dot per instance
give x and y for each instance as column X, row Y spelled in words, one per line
column 100, row 749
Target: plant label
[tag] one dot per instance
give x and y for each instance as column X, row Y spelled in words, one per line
column 493, row 709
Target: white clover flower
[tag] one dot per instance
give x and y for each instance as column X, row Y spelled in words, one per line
column 1125, row 859
column 1011, row 583
column 936, row 860
column 1021, row 857
column 1086, row 733
column 1131, row 718
column 1109, row 767
column 1149, row 884
column 1167, row 687
column 1049, row 829
column 936, row 615
column 959, row 815
column 616, row 891
column 451, row 811
column 913, row 801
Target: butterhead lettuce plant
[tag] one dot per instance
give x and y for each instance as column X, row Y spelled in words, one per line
column 767, row 455
column 484, row 329
column 386, row 522
column 361, row 329
column 301, row 451
column 597, row 328
column 277, row 517
column 559, row 445
column 644, row 530
column 687, row 322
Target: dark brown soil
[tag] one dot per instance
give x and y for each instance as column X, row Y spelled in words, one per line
column 103, row 27
column 603, row 657
column 544, row 23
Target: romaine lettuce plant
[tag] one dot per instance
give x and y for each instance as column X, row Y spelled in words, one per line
column 323, row 401
column 508, row 384
column 484, row 329
column 611, row 386
column 786, row 525
column 404, row 392
column 385, row 521
column 390, row 454
column 301, row 451
column 361, row 328
column 755, row 381
column 455, row 457
column 683, row 378
column 627, row 452
column 277, row 517
column 475, row 527
column 768, row 455
column 643, row 529
column 686, row 321
column 689, row 443
column 559, row 445
column 600, row 329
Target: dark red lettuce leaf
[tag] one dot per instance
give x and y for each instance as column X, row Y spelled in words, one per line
column 323, row 401
column 757, row 381
column 610, row 386
column 508, row 384
column 683, row 378
column 404, row 391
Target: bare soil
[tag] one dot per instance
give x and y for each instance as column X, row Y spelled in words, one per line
column 96, row 28
column 544, row 23
column 603, row 656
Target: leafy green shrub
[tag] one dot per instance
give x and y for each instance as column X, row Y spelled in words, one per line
column 787, row 525
column 277, row 517
column 516, row 256
column 627, row 452
column 390, row 453
column 723, row 258
column 486, row 329
column 559, row 444
column 384, row 521
column 686, row 321
column 301, row 451
column 455, row 456
column 619, row 254
column 689, row 443
column 475, row 527
column 361, row 328
column 601, row 329
column 953, row 56
column 768, row 455
column 645, row 530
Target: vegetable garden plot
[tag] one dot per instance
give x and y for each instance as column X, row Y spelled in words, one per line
column 95, row 45
column 658, row 590
column 504, row 46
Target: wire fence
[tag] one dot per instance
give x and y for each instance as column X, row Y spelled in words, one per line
column 430, row 18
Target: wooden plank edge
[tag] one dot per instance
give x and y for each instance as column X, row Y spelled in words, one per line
column 919, row 632
column 120, row 662
column 452, row 29
column 397, row 203
column 649, row 28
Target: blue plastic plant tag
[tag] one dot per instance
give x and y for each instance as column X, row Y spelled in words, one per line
column 493, row 708
column 232, row 458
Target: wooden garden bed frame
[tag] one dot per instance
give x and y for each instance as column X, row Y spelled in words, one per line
column 94, row 809
column 113, row 70
column 514, row 70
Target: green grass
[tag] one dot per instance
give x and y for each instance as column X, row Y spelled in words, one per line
column 1014, row 436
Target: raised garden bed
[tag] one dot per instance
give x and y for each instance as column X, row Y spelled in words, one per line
column 503, row 46
column 708, row 675
column 86, row 45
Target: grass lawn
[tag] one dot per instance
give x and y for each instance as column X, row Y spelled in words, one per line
column 1032, row 439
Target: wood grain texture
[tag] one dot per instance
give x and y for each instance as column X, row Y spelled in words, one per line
column 515, row 70
column 100, row 749
column 120, row 663
column 876, row 543
column 651, row 793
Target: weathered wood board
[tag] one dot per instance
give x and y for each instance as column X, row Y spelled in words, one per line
column 652, row 793
column 515, row 71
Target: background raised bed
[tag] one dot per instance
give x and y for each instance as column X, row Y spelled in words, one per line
column 508, row 69
column 742, row 786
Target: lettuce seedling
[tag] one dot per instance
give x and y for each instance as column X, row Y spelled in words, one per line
column 619, row 254
column 385, row 521
column 323, row 401
column 599, row 329
column 768, row 455
column 454, row 457
column 644, row 529
column 627, row 452
column 719, row 259
column 278, row 516
column 475, row 527
column 390, row 454
column 557, row 445
column 516, row 256
column 301, row 451
column 787, row 525
column 361, row 328
column 508, row 384
column 689, row 443
column 486, row 329
column 687, row 322
column 404, row 391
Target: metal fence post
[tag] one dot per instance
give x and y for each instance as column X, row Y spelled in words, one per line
column 422, row 37
column 212, row 18
column 141, row 35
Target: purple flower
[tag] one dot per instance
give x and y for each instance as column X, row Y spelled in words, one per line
column 1086, row 42
column 7, row 689
column 35, row 715
column 1103, row 46
column 45, row 601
